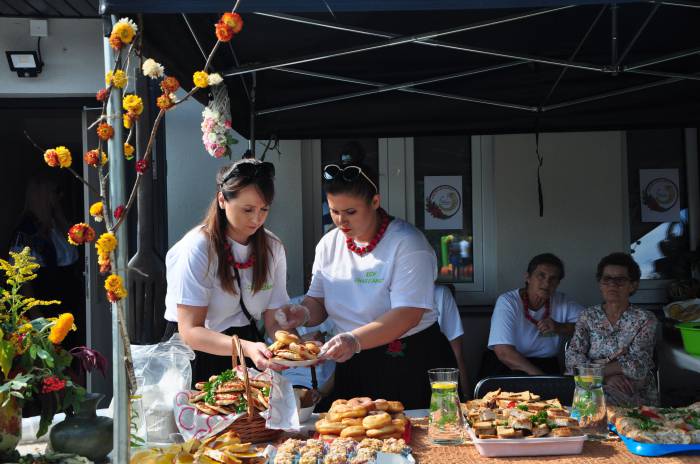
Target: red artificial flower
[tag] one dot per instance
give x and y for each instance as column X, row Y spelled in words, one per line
column 232, row 20
column 223, row 32
column 105, row 267
column 141, row 166
column 90, row 359
column 118, row 212
column 102, row 95
column 51, row 158
column 115, row 42
column 81, row 233
column 92, row 158
column 169, row 84
column 52, row 384
column 164, row 102
column 105, row 131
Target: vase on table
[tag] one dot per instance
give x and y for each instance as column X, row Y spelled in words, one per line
column 84, row 433
column 10, row 428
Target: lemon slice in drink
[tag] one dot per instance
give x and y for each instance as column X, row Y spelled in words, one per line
column 444, row 386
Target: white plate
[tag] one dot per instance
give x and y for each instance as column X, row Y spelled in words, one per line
column 684, row 304
column 290, row 363
column 549, row 446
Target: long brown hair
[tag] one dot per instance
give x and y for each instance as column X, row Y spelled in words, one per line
column 215, row 223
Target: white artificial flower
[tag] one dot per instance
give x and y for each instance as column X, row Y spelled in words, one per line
column 152, row 69
column 212, row 137
column 215, row 79
column 130, row 23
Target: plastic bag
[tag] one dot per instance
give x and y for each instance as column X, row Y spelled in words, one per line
column 162, row 370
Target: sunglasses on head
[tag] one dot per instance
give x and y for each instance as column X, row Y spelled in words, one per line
column 264, row 169
column 348, row 174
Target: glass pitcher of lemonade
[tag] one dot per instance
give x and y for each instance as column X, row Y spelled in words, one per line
column 589, row 400
column 446, row 423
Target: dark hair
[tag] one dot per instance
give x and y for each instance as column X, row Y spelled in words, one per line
column 353, row 154
column 215, row 223
column 546, row 258
column 620, row 259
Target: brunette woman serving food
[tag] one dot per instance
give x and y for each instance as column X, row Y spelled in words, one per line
column 226, row 272
column 373, row 277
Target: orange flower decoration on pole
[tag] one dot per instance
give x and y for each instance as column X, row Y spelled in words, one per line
column 223, row 32
column 105, row 131
column 170, row 84
column 232, row 20
column 80, row 233
column 164, row 102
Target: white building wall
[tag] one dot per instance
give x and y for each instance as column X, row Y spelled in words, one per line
column 583, row 186
column 72, row 55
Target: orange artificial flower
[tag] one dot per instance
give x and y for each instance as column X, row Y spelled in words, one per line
column 233, row 20
column 105, row 131
column 170, row 84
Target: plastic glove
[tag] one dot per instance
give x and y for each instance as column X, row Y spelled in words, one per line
column 292, row 316
column 341, row 347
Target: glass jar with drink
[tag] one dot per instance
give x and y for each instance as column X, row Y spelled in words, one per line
column 446, row 422
column 589, row 400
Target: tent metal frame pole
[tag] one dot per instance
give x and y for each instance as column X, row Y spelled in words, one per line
column 404, row 87
column 613, row 93
column 676, row 3
column 235, row 60
column 391, row 43
column 692, row 77
column 194, row 36
column 573, row 55
column 251, row 139
column 435, row 43
column 662, row 59
column 637, row 35
column 613, row 36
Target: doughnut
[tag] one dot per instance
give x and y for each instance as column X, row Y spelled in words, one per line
column 400, row 424
column 381, row 432
column 334, row 417
column 376, row 421
column 277, row 345
column 399, row 415
column 290, row 355
column 351, row 421
column 395, row 406
column 286, row 337
column 313, row 347
column 337, row 403
column 328, row 436
column 353, row 431
column 329, row 428
column 364, row 402
column 381, row 405
column 357, row 411
column 301, row 351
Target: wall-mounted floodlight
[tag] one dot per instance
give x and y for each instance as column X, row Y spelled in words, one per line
column 25, row 64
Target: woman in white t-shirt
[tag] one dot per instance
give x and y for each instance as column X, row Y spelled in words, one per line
column 373, row 277
column 229, row 255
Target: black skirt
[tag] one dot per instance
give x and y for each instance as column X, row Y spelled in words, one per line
column 205, row 365
column 396, row 371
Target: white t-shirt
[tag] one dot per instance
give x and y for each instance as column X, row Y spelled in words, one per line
column 192, row 281
column 509, row 326
column 448, row 313
column 357, row 290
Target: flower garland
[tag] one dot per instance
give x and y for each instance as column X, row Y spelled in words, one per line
column 115, row 288
column 526, row 307
column 215, row 133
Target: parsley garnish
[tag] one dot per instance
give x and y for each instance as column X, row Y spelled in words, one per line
column 645, row 423
column 522, row 407
column 211, row 387
column 539, row 418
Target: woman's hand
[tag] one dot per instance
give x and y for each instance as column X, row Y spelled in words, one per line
column 260, row 356
column 341, row 347
column 620, row 382
column 292, row 316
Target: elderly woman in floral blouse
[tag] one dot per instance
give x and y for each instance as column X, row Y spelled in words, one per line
column 618, row 335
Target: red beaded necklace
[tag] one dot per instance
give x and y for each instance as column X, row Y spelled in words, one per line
column 229, row 258
column 373, row 243
column 526, row 307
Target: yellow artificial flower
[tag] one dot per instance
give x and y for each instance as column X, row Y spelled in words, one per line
column 113, row 283
column 64, row 157
column 60, row 329
column 126, row 30
column 128, row 151
column 201, row 79
column 127, row 121
column 106, row 244
column 96, row 211
column 117, row 79
column 133, row 104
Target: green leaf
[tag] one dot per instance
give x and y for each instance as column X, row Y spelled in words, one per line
column 45, row 356
column 32, row 352
column 7, row 354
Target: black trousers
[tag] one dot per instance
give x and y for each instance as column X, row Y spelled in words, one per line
column 205, row 365
column 397, row 371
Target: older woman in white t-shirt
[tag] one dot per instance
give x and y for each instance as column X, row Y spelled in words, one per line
column 226, row 272
column 373, row 277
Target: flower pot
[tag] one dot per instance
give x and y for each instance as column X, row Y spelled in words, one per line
column 10, row 427
column 84, row 433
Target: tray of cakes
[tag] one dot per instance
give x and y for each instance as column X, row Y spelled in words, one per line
column 341, row 451
column 521, row 424
column 652, row 431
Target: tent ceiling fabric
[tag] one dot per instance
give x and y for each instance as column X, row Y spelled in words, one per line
column 507, row 66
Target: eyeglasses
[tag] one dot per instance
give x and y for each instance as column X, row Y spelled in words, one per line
column 264, row 169
column 348, row 174
column 616, row 281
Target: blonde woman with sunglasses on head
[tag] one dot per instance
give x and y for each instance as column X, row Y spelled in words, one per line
column 373, row 277
column 224, row 274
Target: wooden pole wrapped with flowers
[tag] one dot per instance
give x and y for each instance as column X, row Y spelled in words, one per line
column 124, row 111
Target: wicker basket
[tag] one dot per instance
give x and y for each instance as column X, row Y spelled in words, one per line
column 251, row 428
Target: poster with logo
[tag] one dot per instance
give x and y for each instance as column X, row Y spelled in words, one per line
column 443, row 202
column 660, row 192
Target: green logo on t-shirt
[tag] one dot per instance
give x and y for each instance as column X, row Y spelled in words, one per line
column 266, row 286
column 369, row 277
